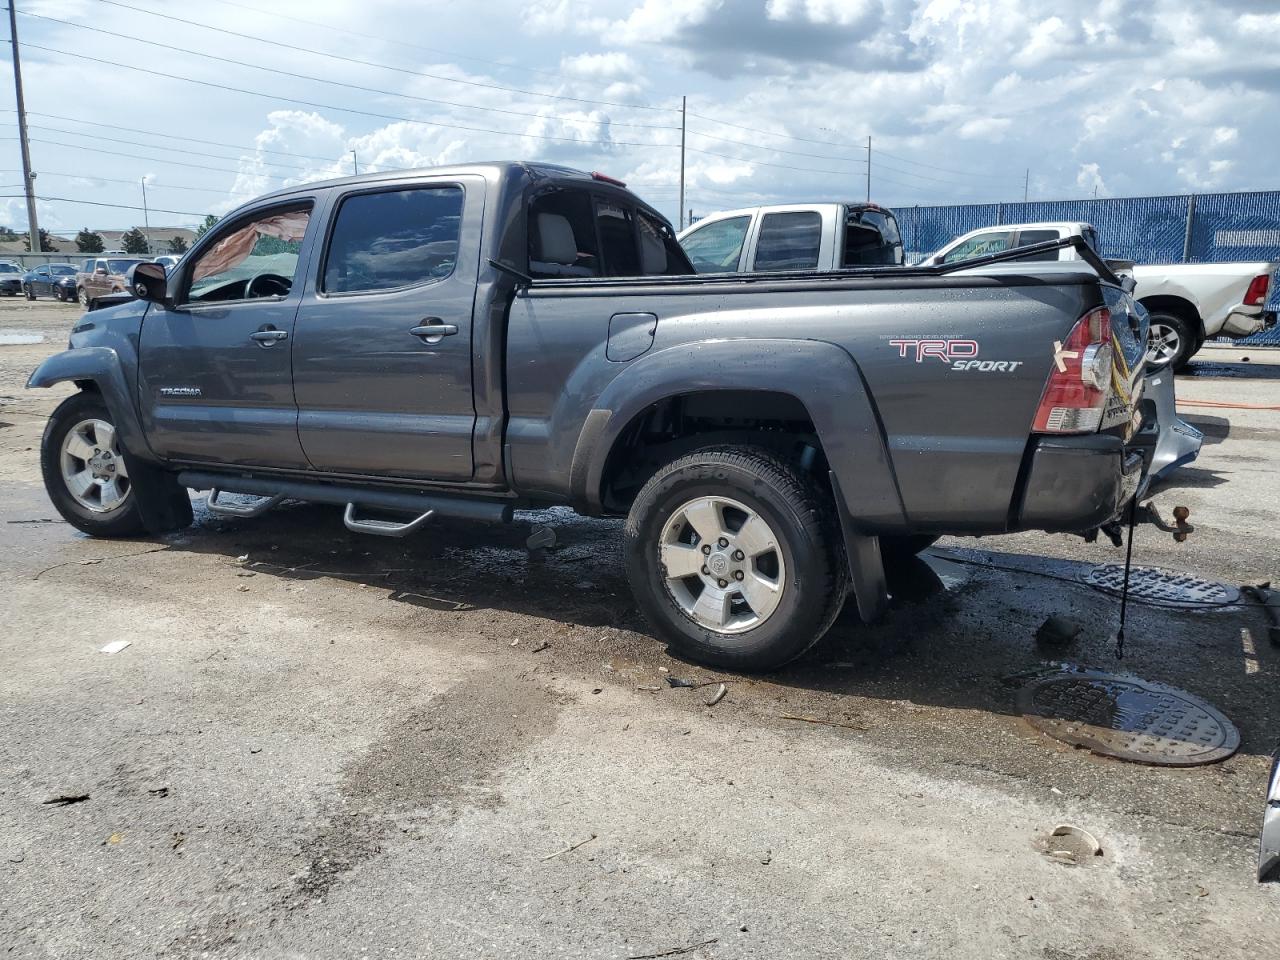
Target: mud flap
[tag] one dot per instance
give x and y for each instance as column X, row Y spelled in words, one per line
column 163, row 503
column 866, row 566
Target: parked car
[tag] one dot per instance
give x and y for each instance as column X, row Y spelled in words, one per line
column 462, row 341
column 46, row 279
column 10, row 278
column 102, row 276
column 168, row 260
column 804, row 236
column 1188, row 302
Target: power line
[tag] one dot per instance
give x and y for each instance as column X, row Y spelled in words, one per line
column 157, row 146
column 171, row 136
column 98, row 203
column 399, row 43
column 930, row 166
column 132, row 156
column 329, row 106
column 760, row 146
column 151, row 186
column 332, row 83
column 381, row 66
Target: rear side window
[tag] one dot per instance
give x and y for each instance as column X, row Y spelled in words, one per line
column 789, row 241
column 562, row 235
column 1028, row 237
column 396, row 238
column 616, row 225
column 717, row 247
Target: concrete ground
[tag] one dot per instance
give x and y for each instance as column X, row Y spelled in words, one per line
column 320, row 745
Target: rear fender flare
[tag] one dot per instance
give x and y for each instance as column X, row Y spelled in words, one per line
column 102, row 367
column 822, row 376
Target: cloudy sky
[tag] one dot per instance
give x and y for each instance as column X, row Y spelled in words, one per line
column 960, row 98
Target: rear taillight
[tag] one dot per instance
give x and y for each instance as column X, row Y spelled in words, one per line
column 1074, row 398
column 1256, row 295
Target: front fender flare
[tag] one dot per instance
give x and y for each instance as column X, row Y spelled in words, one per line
column 821, row 375
column 102, row 367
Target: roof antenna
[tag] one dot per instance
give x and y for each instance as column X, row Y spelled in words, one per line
column 1124, row 590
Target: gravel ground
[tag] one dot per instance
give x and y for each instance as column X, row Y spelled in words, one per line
column 321, row 745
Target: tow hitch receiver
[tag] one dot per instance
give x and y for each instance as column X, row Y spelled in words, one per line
column 1147, row 513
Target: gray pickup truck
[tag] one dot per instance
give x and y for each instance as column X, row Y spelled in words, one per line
column 467, row 340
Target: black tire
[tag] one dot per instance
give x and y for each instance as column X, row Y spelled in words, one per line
column 28, row 292
column 1188, row 340
column 125, row 520
column 898, row 551
column 802, row 519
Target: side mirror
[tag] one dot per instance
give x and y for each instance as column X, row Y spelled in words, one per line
column 101, row 271
column 147, row 281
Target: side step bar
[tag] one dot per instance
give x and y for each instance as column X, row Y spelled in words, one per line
column 382, row 528
column 418, row 504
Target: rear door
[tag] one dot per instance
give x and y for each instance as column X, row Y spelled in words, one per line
column 40, row 282
column 382, row 357
column 793, row 240
column 216, row 381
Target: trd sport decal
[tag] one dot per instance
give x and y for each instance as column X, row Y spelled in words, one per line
column 959, row 354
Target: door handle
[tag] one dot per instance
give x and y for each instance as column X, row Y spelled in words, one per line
column 431, row 330
column 269, row 335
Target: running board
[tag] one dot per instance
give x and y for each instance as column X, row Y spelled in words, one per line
column 382, row 528
column 459, row 507
column 240, row 509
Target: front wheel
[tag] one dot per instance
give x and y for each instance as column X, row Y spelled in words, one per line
column 85, row 472
column 735, row 558
column 28, row 293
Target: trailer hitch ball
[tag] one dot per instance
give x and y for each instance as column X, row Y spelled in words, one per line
column 1179, row 528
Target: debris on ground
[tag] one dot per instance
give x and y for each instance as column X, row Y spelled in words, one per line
column 115, row 646
column 650, row 689
column 66, row 799
column 1269, row 599
column 718, row 695
column 569, row 849
column 542, row 646
column 159, row 792
column 675, row 951
column 1057, row 631
column 1072, row 845
column 821, row 721
column 680, row 682
column 115, row 838
column 542, row 538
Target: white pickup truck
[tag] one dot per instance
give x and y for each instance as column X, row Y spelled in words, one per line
column 1188, row 302
column 794, row 236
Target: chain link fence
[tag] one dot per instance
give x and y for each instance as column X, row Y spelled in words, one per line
column 1203, row 228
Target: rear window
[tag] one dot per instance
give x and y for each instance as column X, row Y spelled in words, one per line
column 392, row 239
column 789, row 241
column 871, row 239
column 616, row 225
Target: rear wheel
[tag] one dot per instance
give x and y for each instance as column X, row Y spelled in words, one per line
column 735, row 558
column 85, row 472
column 83, row 296
column 1170, row 342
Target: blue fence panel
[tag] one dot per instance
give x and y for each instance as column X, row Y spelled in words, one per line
column 1225, row 227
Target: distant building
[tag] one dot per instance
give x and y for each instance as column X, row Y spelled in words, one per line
column 157, row 237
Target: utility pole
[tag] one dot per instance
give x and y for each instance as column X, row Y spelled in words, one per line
column 684, row 103
column 355, row 163
column 28, row 177
column 146, row 217
column 868, row 168
column 1026, row 185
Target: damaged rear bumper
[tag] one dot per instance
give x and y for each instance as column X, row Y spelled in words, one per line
column 1075, row 484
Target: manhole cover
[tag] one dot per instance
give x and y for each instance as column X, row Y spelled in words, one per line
column 1128, row 718
column 1160, row 586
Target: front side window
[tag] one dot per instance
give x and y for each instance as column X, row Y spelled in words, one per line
column 717, row 246
column 789, row 241
column 63, row 270
column 42, row 271
column 252, row 258
column 397, row 238
column 979, row 246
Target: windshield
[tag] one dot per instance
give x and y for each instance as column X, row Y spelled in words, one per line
column 120, row 266
column 8, row 268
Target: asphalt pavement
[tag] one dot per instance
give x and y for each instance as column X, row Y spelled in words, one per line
column 321, row 745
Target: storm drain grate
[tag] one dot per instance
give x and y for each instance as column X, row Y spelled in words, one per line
column 1129, row 718
column 1161, row 586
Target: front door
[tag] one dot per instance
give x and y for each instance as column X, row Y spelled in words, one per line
column 382, row 352
column 216, row 380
